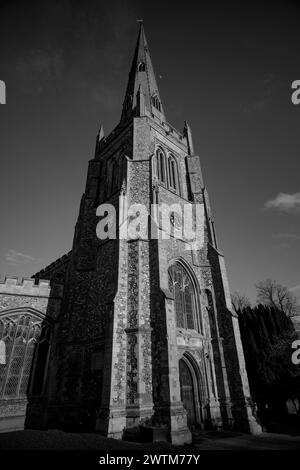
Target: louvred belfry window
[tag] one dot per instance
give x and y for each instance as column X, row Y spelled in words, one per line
column 21, row 334
column 181, row 285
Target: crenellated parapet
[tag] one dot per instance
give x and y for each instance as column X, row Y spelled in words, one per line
column 25, row 286
column 27, row 293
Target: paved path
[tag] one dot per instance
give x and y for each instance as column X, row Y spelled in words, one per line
column 58, row 440
column 235, row 441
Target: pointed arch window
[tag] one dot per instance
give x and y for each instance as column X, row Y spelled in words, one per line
column 173, row 175
column 20, row 333
column 141, row 67
column 156, row 103
column 185, row 298
column 160, row 166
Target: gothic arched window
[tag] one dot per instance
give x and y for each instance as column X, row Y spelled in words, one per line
column 141, row 67
column 156, row 102
column 185, row 296
column 160, row 166
column 172, row 170
column 112, row 176
column 20, row 333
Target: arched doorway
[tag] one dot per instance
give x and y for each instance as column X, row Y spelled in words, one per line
column 187, row 393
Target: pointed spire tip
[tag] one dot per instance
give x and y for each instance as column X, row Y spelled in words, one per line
column 141, row 79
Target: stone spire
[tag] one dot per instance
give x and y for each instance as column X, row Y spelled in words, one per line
column 142, row 81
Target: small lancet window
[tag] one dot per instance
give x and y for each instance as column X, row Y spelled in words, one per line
column 156, row 102
column 172, row 173
column 141, row 67
column 160, row 165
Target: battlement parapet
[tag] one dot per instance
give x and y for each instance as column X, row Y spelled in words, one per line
column 28, row 286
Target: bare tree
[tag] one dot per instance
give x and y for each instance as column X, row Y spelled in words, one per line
column 239, row 301
column 270, row 292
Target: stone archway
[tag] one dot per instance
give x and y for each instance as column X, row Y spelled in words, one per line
column 189, row 389
column 187, row 393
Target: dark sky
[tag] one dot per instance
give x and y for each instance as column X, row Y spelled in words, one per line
column 226, row 68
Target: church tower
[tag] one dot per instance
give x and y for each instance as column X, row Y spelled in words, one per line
column 146, row 333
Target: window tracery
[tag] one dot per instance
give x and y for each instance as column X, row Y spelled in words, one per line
column 21, row 334
column 185, row 297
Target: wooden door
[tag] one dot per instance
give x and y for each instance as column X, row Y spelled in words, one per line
column 187, row 393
